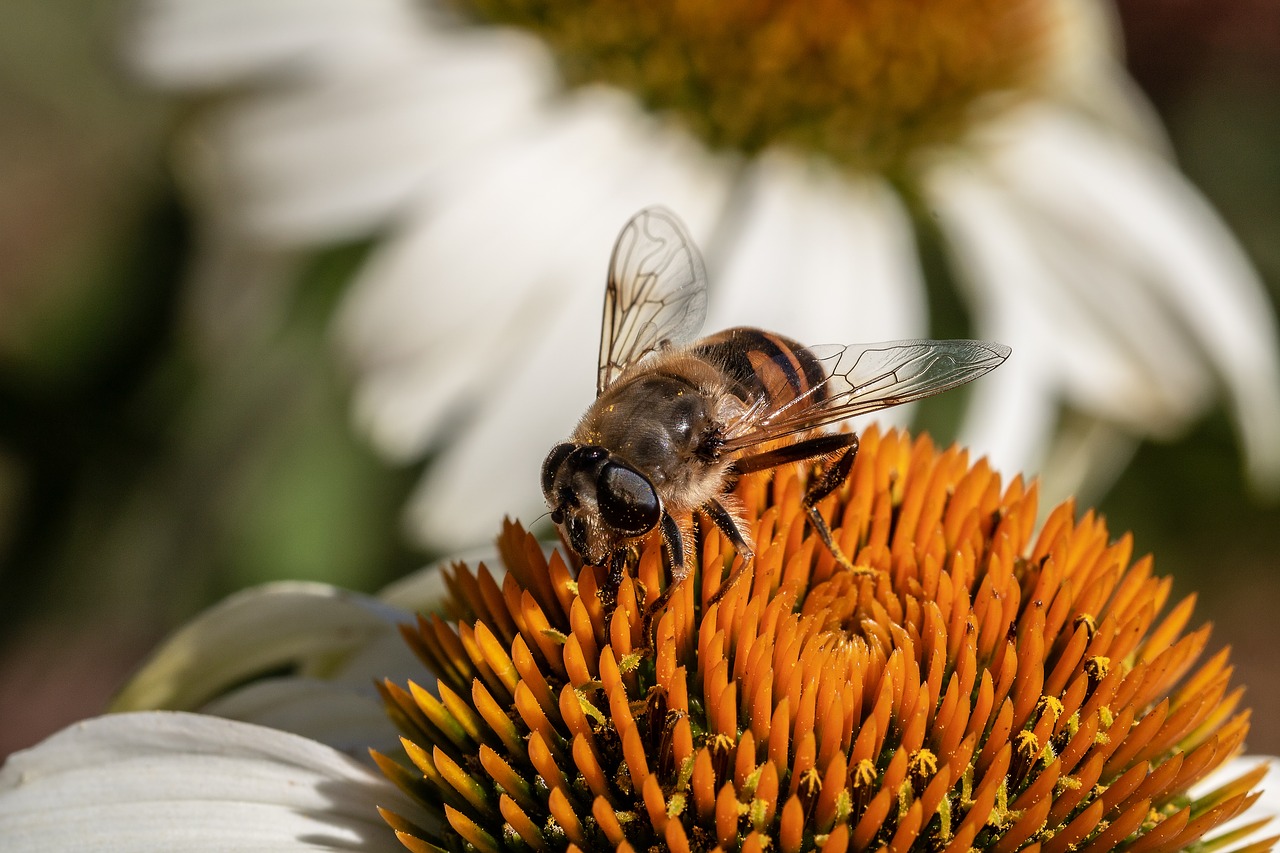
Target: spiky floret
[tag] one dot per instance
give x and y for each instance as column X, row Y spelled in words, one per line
column 983, row 688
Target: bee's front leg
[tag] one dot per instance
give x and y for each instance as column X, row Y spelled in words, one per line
column 723, row 520
column 608, row 593
column 673, row 565
column 672, row 551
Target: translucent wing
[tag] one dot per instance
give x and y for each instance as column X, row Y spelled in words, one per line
column 868, row 377
column 656, row 294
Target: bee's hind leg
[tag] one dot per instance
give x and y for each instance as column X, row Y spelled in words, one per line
column 842, row 445
column 824, row 484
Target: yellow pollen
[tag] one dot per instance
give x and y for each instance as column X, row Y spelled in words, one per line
column 1068, row 783
column 904, row 799
column 1097, row 667
column 865, row 82
column 844, row 805
column 810, row 783
column 923, row 763
column 1051, row 705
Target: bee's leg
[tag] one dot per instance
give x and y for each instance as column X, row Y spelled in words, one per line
column 608, row 593
column 673, row 566
column 672, row 551
column 843, row 443
column 724, row 521
column 820, row 445
column 823, row 485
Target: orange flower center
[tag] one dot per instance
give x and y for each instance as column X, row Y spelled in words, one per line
column 865, row 82
column 979, row 686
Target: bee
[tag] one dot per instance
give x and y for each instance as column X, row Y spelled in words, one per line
column 677, row 420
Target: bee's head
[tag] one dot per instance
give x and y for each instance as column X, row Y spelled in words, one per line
column 600, row 499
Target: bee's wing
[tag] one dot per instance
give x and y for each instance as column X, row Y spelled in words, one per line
column 868, row 377
column 656, row 294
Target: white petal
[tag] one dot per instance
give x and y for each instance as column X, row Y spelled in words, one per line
column 331, row 154
column 1142, row 328
column 337, row 714
column 492, row 470
column 1131, row 208
column 187, row 782
column 1020, row 298
column 340, row 707
column 554, row 227
column 476, row 278
column 1012, row 412
column 217, row 43
column 1086, row 459
column 1059, row 352
column 1086, row 70
column 312, row 629
column 820, row 257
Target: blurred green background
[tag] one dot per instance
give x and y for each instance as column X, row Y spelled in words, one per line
column 146, row 469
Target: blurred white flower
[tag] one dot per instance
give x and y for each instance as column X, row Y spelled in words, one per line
column 499, row 146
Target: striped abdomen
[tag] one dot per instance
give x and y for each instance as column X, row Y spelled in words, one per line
column 764, row 367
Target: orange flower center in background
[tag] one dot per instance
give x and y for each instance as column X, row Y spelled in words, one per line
column 983, row 687
column 865, row 82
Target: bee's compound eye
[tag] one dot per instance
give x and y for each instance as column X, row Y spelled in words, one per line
column 627, row 500
column 554, row 460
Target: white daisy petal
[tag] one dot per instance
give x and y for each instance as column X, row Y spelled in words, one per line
column 1116, row 302
column 492, row 470
column 440, row 304
column 1115, row 199
column 1012, row 412
column 334, row 644
column 821, row 257
column 544, row 377
column 1087, row 72
column 1013, row 420
column 204, row 44
column 437, row 303
column 1019, row 299
column 187, row 782
column 1058, row 350
column 331, row 154
column 349, row 720
column 337, row 704
column 311, row 629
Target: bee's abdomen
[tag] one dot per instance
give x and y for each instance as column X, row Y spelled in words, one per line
column 764, row 366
